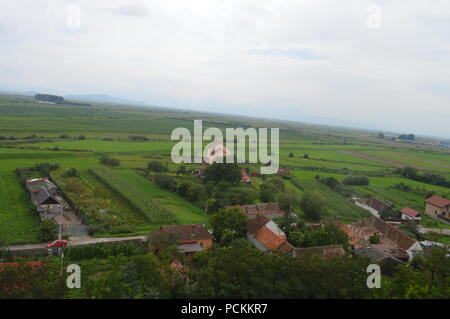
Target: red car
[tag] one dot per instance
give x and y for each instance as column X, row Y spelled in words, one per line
column 57, row 243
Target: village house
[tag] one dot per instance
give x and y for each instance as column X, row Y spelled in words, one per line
column 283, row 172
column 43, row 195
column 374, row 205
column 327, row 252
column 34, row 186
column 266, row 235
column 245, row 178
column 217, row 150
column 270, row 210
column 189, row 238
column 410, row 214
column 393, row 243
column 437, row 206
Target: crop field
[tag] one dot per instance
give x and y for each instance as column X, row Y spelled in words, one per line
column 120, row 202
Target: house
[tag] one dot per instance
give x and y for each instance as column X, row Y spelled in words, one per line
column 245, row 178
column 271, row 210
column 265, row 235
column 377, row 204
column 327, row 252
column 386, row 262
column 189, row 238
column 200, row 172
column 283, row 172
column 36, row 185
column 392, row 241
column 215, row 151
column 437, row 206
column 43, row 197
column 410, row 214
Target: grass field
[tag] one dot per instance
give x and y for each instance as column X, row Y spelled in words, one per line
column 32, row 133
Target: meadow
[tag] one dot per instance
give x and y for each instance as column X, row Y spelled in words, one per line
column 32, row 133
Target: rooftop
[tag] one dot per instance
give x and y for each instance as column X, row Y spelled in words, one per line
column 438, row 201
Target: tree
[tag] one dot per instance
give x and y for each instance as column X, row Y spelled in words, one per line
column 228, row 220
column 243, row 272
column 155, row 166
column 182, row 170
column 196, row 192
column 312, row 204
column 267, row 192
column 356, row 180
column 287, row 202
column 166, row 182
column 291, row 154
column 373, row 239
column 109, row 161
column 223, row 172
column 47, row 230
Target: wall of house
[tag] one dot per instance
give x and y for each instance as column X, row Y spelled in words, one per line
column 435, row 211
column 255, row 243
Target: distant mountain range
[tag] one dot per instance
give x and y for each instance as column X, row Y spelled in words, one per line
column 102, row 98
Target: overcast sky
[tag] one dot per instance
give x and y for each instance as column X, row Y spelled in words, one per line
column 283, row 59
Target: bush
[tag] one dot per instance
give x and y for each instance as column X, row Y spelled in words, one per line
column 155, row 166
column 356, row 180
column 47, row 230
column 166, row 182
column 72, row 172
column 313, row 205
column 106, row 160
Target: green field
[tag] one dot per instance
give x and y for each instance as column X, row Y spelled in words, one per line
column 32, row 133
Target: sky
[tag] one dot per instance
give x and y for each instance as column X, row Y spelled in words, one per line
column 373, row 64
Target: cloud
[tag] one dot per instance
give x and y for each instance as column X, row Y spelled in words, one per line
column 136, row 9
column 304, row 54
column 253, row 57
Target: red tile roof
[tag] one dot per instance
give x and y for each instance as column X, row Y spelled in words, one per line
column 269, row 239
column 410, row 212
column 185, row 232
column 438, row 201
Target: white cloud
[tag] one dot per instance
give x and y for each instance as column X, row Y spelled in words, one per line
column 201, row 54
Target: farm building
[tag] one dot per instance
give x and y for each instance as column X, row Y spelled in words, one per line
column 392, row 241
column 373, row 205
column 190, row 238
column 283, row 172
column 437, row 206
column 410, row 214
column 36, row 185
column 215, row 151
column 265, row 235
column 245, row 178
column 271, row 210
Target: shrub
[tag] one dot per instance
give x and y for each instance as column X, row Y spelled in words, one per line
column 72, row 172
column 166, row 182
column 47, row 230
column 356, row 180
column 155, row 166
column 106, row 160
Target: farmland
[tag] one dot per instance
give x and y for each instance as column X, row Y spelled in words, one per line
column 119, row 201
